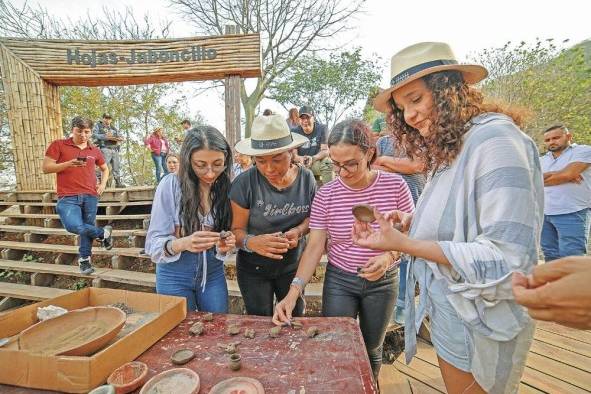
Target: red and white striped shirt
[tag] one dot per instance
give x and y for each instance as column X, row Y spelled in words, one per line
column 332, row 212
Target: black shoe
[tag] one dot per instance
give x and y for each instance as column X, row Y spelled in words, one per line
column 107, row 240
column 85, row 266
column 119, row 185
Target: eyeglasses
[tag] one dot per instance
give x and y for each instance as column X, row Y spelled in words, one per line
column 202, row 170
column 350, row 167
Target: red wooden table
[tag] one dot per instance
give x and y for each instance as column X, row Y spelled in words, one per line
column 335, row 361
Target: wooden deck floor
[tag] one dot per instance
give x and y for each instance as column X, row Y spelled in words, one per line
column 559, row 361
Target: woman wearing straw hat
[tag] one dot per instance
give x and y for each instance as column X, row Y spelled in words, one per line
column 270, row 206
column 477, row 221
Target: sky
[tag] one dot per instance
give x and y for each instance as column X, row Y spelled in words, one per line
column 387, row 26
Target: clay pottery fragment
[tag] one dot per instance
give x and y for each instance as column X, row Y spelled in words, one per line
column 207, row 317
column 230, row 348
column 196, row 329
column 106, row 389
column 364, row 213
column 128, row 377
column 225, row 234
column 235, row 362
column 249, row 333
column 242, row 385
column 233, row 329
column 275, row 331
column 312, row 332
column 296, row 324
column 173, row 381
column 79, row 332
column 182, row 356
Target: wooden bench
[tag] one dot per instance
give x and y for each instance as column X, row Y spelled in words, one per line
column 55, row 216
column 60, row 231
column 70, row 249
column 132, row 193
column 28, row 292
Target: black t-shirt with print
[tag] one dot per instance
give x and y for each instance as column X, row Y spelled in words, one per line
column 272, row 210
column 317, row 137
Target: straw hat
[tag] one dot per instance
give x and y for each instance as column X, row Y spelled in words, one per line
column 269, row 135
column 419, row 60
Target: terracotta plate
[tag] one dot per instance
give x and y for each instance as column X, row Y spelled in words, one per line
column 173, row 381
column 364, row 213
column 77, row 333
column 240, row 385
column 128, row 377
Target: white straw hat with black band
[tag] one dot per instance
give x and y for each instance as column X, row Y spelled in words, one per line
column 269, row 135
column 422, row 59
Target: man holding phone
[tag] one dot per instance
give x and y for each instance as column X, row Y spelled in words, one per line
column 74, row 159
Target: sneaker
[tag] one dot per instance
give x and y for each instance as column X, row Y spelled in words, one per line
column 107, row 240
column 399, row 315
column 85, row 266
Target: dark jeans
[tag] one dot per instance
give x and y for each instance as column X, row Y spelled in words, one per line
column 183, row 278
column 160, row 165
column 259, row 289
column 348, row 295
column 78, row 214
column 565, row 235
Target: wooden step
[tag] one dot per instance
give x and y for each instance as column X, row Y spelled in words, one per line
column 70, row 249
column 52, row 204
column 44, row 268
column 128, row 277
column 133, row 193
column 60, row 231
column 28, row 292
column 55, row 216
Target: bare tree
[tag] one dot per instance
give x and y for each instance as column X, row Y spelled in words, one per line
column 288, row 29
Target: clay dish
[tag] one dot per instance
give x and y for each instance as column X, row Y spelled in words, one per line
column 106, row 389
column 364, row 213
column 173, row 381
column 242, row 385
column 77, row 333
column 128, row 377
column 182, row 356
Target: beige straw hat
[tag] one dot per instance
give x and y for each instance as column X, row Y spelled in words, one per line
column 419, row 60
column 269, row 135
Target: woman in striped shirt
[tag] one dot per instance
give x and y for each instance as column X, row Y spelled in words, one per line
column 359, row 282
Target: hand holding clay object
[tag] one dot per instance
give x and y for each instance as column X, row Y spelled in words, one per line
column 269, row 245
column 385, row 238
column 365, row 214
column 376, row 267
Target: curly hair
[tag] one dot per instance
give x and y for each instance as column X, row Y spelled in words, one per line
column 455, row 104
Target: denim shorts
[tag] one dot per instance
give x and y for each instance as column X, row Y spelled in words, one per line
column 449, row 335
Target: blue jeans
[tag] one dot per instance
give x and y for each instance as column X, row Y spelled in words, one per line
column 402, row 282
column 183, row 278
column 160, row 165
column 78, row 214
column 565, row 235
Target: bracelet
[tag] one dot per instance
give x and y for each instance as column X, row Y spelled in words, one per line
column 245, row 241
column 299, row 283
column 168, row 248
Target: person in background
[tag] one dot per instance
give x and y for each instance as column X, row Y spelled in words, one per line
column 159, row 148
column 243, row 163
column 172, row 163
column 293, row 119
column 186, row 125
column 267, row 112
column 558, row 291
column 567, row 192
column 393, row 158
column 191, row 209
column 108, row 139
column 359, row 282
column 478, row 220
column 74, row 160
column 271, row 207
column 314, row 153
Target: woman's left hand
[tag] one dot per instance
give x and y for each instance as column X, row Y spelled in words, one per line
column 226, row 245
column 386, row 238
column 376, row 267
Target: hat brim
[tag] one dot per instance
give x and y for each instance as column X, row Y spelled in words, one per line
column 244, row 147
column 473, row 73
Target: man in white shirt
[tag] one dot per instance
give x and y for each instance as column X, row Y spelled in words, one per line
column 567, row 192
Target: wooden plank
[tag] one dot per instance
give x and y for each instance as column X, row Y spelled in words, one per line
column 52, row 204
column 130, row 252
column 232, row 106
column 129, row 277
column 28, row 292
column 393, row 381
column 579, row 335
column 60, row 231
column 566, row 373
column 56, row 269
column 55, row 216
column 561, row 355
column 548, row 383
column 422, row 371
column 560, row 341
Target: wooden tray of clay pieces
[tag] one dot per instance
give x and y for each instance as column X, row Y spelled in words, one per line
column 77, row 333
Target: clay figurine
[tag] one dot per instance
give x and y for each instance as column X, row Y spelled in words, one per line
column 234, row 362
column 274, row 332
column 230, row 348
column 196, row 329
column 233, row 329
column 312, row 332
column 249, row 333
column 182, row 356
column 207, row 317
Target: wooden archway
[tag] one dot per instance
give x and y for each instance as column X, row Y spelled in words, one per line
column 32, row 71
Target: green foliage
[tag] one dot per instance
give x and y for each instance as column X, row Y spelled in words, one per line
column 553, row 83
column 32, row 259
column 334, row 87
column 79, row 284
column 13, row 276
